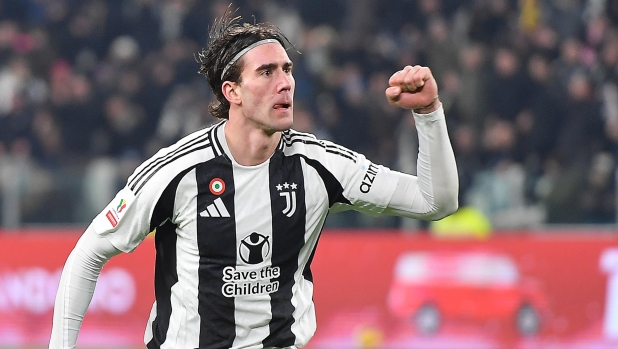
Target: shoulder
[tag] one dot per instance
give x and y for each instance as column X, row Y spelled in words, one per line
column 197, row 147
column 291, row 136
column 307, row 144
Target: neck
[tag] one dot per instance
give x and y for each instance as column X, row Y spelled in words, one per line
column 250, row 146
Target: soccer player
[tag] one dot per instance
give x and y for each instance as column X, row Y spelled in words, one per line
column 238, row 207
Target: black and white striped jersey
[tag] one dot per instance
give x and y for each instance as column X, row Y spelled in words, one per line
column 234, row 243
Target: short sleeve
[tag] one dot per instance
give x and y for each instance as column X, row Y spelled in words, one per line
column 125, row 221
column 350, row 179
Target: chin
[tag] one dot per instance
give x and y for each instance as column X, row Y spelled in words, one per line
column 283, row 126
column 284, row 122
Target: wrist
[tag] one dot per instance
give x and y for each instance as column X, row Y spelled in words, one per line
column 429, row 108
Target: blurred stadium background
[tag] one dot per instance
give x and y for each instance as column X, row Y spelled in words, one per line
column 90, row 88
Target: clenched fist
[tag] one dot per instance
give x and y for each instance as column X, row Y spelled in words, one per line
column 413, row 87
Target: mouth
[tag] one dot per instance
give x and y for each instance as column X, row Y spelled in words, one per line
column 282, row 106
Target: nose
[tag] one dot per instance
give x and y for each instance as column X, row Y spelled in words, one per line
column 286, row 82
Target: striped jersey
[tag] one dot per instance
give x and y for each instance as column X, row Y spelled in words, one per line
column 234, row 243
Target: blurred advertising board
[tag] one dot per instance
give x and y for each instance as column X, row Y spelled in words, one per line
column 30, row 267
column 373, row 289
column 511, row 290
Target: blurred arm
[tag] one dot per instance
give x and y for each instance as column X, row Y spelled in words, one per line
column 76, row 288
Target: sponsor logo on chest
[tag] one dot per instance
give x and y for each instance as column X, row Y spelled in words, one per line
column 239, row 283
column 254, row 249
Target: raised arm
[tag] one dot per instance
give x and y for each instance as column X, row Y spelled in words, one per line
column 433, row 193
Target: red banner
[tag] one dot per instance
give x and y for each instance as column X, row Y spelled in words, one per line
column 372, row 290
column 513, row 290
column 30, row 267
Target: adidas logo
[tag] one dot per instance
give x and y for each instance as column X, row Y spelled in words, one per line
column 216, row 209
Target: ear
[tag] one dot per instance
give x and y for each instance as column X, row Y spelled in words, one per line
column 231, row 91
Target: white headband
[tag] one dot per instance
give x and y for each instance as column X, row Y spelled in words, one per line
column 245, row 50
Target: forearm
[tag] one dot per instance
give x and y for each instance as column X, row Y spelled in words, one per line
column 433, row 194
column 77, row 285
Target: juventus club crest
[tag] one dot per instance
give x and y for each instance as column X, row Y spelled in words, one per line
column 288, row 191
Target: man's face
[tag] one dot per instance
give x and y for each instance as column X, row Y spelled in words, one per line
column 267, row 88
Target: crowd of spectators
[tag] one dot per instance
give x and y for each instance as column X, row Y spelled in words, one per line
column 90, row 88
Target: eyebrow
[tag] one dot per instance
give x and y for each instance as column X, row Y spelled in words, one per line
column 270, row 66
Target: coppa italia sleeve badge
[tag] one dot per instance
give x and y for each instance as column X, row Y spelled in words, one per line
column 116, row 211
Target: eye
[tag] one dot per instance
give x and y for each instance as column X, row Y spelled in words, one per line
column 266, row 73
